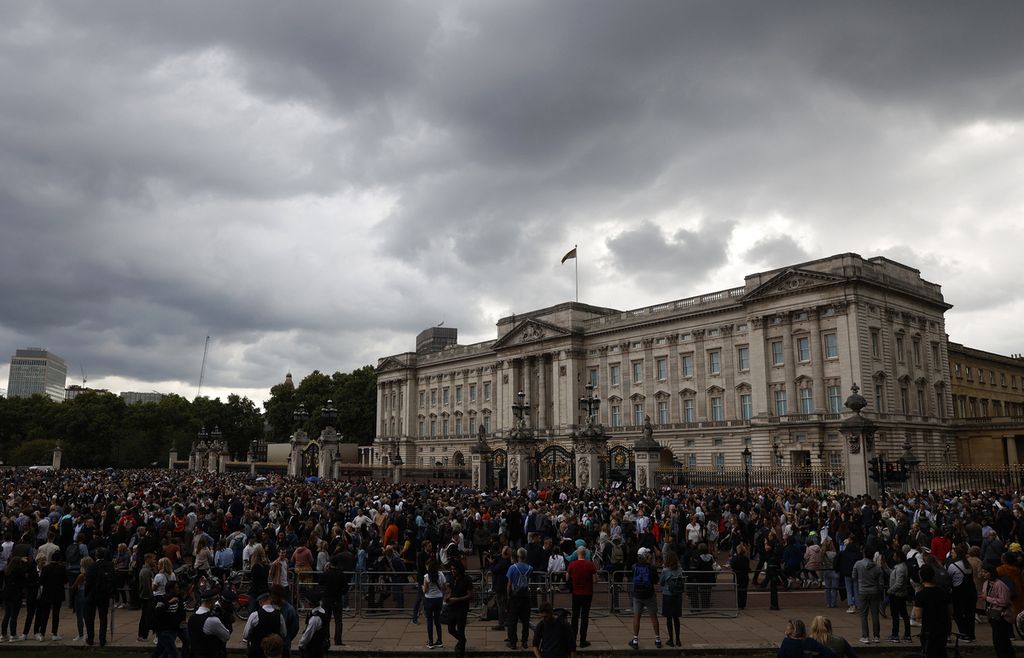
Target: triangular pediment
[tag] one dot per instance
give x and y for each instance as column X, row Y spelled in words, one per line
column 792, row 281
column 530, row 331
column 390, row 363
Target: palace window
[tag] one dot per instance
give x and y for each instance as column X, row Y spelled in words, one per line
column 806, row 401
column 593, row 377
column 899, row 348
column 778, row 357
column 720, row 460
column 422, row 398
column 803, row 349
column 746, row 406
column 879, row 398
column 920, row 402
column 444, row 427
column 458, row 425
column 686, row 365
column 487, row 423
column 614, row 374
column 835, row 399
column 714, row 362
column 444, row 395
column 743, row 358
column 831, row 346
column 433, row 428
column 638, row 372
column 876, row 344
column 717, row 408
column 904, row 401
column 691, row 460
column 780, row 403
column 915, row 348
column 487, row 390
column 472, row 392
column 689, row 411
column 663, row 412
column 423, row 428
column 661, row 366
column 433, row 397
column 616, row 415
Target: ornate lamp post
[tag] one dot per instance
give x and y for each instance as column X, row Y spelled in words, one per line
column 328, row 415
column 300, row 416
column 589, row 443
column 746, row 468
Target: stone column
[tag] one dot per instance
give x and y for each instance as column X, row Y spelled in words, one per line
column 789, row 356
column 519, row 455
column 817, row 362
column 700, row 375
column 646, row 455
column 587, row 452
column 171, row 458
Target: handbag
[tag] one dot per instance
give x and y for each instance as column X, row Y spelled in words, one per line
column 445, row 615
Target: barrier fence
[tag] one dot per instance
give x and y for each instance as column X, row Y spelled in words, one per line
column 755, row 477
column 394, row 594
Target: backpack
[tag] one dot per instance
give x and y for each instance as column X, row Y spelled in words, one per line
column 914, row 571
column 676, row 583
column 643, row 585
column 521, row 581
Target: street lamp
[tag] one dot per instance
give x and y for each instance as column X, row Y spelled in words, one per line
column 521, row 408
column 328, row 414
column 746, row 468
column 300, row 416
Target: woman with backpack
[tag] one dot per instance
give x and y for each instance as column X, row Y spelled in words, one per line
column 673, row 581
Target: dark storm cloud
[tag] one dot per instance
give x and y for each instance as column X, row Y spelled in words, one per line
column 686, row 254
column 313, row 183
column 776, row 251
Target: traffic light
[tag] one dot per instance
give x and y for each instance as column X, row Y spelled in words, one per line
column 873, row 467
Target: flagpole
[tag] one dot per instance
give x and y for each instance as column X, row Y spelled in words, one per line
column 576, row 262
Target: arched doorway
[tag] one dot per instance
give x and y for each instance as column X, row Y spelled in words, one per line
column 458, row 459
column 556, row 465
column 311, row 460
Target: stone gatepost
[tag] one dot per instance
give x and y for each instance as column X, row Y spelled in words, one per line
column 860, row 437
column 646, row 455
column 483, row 472
column 519, row 456
column 56, row 456
column 172, row 457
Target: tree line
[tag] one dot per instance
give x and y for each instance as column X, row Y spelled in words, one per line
column 99, row 429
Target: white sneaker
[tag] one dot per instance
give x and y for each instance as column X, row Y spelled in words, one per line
column 865, row 640
column 851, row 610
column 24, row 636
column 78, row 638
column 875, row 640
column 55, row 638
column 39, row 637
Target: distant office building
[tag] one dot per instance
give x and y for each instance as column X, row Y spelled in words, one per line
column 73, row 391
column 135, row 397
column 36, row 371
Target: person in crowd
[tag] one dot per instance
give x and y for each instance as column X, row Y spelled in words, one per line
column 673, row 583
column 145, row 595
column 279, row 599
column 740, row 565
column 168, row 616
column 829, row 575
column 965, row 593
column 459, row 594
column 498, row 570
column 15, row 580
column 581, row 575
column 645, row 575
column 208, row 636
column 553, row 636
column 518, row 579
column 899, row 592
column 78, row 587
column 870, row 589
column 52, row 581
column 998, row 609
column 821, row 630
column 316, row 638
column 433, row 598
column 98, row 590
column 265, row 620
column 334, row 582
column 849, row 555
column 796, row 644
column 933, row 610
column 259, row 575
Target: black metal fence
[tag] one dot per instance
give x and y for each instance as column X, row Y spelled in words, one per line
column 756, row 477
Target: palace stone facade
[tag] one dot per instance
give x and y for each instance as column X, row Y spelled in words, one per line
column 767, row 365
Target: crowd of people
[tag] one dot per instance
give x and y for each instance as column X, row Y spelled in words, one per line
column 169, row 545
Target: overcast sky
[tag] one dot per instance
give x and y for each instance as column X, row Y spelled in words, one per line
column 311, row 184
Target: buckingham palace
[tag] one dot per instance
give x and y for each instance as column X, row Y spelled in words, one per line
column 759, row 372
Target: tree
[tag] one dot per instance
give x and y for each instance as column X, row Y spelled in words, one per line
column 37, row 452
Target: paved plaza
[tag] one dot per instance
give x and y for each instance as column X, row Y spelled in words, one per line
column 755, row 628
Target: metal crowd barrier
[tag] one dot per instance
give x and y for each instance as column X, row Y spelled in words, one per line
column 715, row 597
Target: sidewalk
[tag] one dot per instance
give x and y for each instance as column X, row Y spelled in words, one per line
column 755, row 628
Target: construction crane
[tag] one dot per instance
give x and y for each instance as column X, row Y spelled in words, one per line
column 84, row 379
column 202, row 370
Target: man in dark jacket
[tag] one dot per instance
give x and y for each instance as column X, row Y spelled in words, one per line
column 99, row 583
column 335, row 585
column 848, row 557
